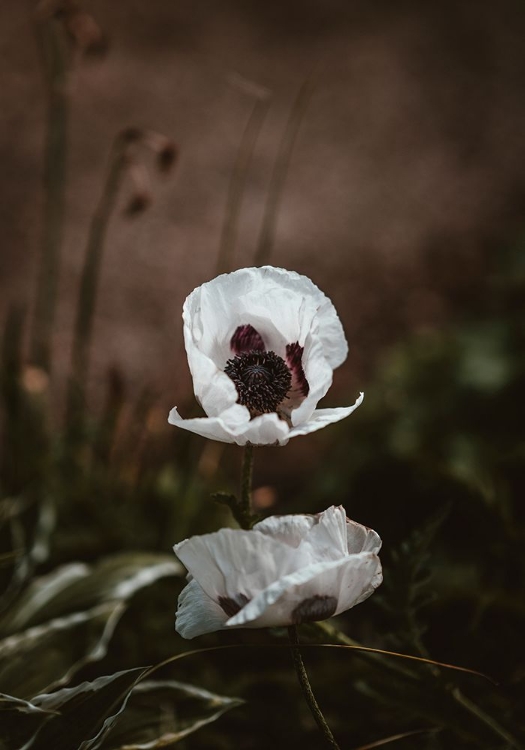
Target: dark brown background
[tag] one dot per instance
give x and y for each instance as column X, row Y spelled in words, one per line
column 406, row 179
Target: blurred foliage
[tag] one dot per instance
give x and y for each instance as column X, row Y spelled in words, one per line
column 433, row 460
column 91, row 503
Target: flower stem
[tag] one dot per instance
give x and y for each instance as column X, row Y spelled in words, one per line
column 307, row 688
column 245, row 504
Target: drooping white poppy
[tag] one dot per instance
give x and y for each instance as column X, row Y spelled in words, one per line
column 262, row 344
column 285, row 571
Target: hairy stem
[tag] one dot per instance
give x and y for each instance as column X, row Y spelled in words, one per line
column 307, row 688
column 245, row 504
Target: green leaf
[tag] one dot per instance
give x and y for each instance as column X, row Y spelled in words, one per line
column 77, row 587
column 24, row 541
column 19, row 721
column 87, row 711
column 48, row 655
column 159, row 713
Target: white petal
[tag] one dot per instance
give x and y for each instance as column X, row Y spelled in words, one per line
column 327, row 539
column 323, row 417
column 230, row 563
column 197, row 613
column 281, row 305
column 361, row 538
column 319, row 375
column 290, row 529
column 348, row 581
column 235, row 426
column 208, row 427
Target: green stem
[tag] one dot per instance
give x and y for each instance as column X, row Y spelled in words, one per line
column 307, row 688
column 280, row 171
column 55, row 56
column 90, row 279
column 245, row 504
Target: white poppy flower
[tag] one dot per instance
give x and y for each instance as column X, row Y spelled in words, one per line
column 285, row 571
column 262, row 344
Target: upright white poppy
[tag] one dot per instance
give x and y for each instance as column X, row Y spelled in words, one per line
column 262, row 344
column 285, row 571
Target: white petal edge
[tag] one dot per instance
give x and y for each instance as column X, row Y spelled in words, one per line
column 267, row 429
column 212, row 301
column 290, row 529
column 197, row 613
column 323, row 417
column 361, row 538
column 350, row 580
column 231, row 562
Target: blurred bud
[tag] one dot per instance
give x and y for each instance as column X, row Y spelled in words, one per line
column 142, row 195
column 85, row 32
column 35, row 380
column 138, row 203
column 167, row 157
column 164, row 148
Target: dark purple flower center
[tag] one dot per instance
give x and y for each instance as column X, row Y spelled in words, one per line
column 262, row 380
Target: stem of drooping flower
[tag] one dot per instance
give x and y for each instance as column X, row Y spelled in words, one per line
column 245, row 504
column 307, row 688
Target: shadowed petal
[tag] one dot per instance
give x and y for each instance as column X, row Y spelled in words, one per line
column 197, row 613
column 361, row 538
column 246, row 339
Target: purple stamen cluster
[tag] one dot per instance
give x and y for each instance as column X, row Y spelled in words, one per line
column 262, row 380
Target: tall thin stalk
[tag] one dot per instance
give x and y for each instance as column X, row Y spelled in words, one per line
column 91, row 275
column 280, row 171
column 238, row 183
column 55, row 57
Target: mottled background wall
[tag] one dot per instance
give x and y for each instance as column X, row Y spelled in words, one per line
column 405, row 180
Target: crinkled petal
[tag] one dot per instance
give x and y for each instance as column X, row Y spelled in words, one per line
column 290, row 530
column 327, row 539
column 235, row 426
column 229, row 563
column 329, row 533
column 361, row 538
column 283, row 306
column 208, row 427
column 323, row 417
column 214, row 390
column 347, row 581
column 197, row 613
